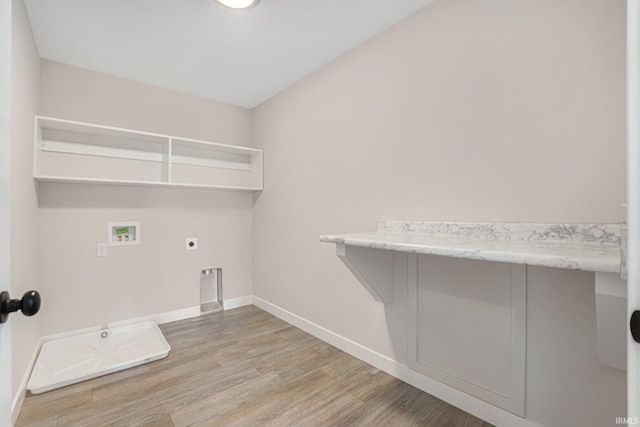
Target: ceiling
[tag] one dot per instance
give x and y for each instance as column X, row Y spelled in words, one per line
column 241, row 57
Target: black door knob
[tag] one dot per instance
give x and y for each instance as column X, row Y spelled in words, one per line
column 635, row 326
column 29, row 304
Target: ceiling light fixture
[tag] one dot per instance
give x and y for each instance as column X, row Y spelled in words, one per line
column 239, row 4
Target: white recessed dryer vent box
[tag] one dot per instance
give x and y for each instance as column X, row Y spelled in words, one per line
column 123, row 233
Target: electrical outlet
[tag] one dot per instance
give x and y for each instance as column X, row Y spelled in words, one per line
column 192, row 244
column 101, row 249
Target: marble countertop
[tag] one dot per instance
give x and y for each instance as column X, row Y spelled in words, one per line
column 588, row 247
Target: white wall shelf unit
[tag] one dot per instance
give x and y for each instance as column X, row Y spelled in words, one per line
column 70, row 151
column 467, row 289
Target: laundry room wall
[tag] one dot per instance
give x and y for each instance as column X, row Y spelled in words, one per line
column 479, row 111
column 158, row 276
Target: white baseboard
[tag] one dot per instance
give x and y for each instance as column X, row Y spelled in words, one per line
column 160, row 318
column 18, row 400
column 230, row 304
column 16, row 405
column 185, row 313
column 467, row 403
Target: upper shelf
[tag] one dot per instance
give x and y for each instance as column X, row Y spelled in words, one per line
column 69, row 151
column 588, row 247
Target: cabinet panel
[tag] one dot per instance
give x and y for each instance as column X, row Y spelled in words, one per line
column 468, row 325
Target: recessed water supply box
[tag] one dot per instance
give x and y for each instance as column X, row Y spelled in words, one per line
column 123, row 233
column 211, row 290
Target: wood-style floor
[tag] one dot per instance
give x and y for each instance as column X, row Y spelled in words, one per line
column 243, row 367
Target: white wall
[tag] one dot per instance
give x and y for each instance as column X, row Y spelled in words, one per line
column 78, row 288
column 25, row 82
column 487, row 110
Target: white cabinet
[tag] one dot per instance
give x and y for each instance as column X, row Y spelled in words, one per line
column 467, row 293
column 69, row 151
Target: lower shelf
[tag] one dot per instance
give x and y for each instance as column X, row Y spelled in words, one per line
column 82, row 357
column 132, row 183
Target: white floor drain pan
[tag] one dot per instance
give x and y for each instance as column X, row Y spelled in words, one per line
column 81, row 357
